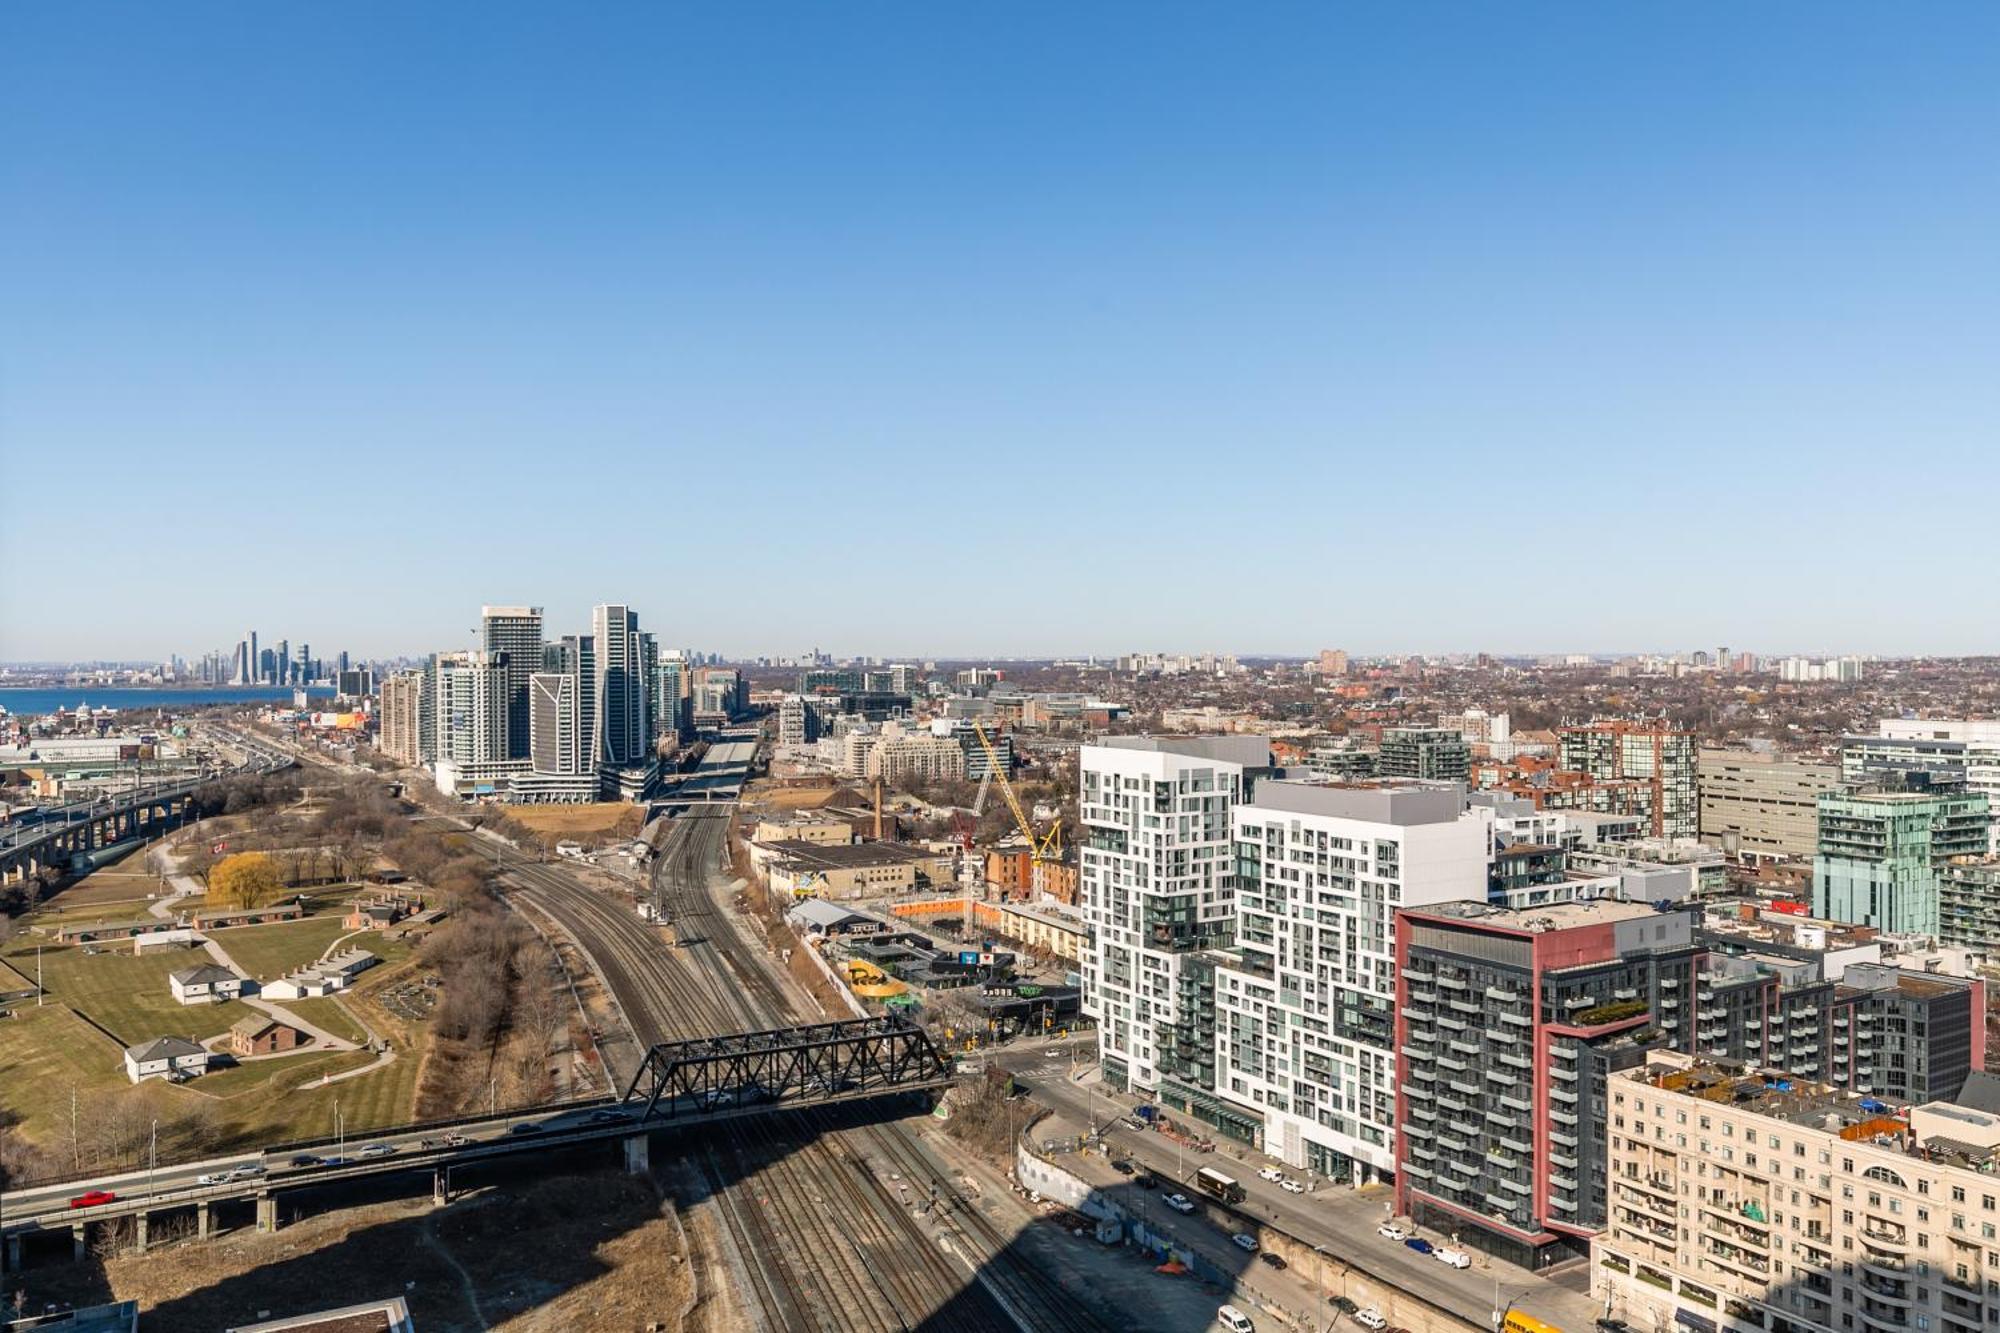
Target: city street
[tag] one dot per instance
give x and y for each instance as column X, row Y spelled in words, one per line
column 1337, row 1218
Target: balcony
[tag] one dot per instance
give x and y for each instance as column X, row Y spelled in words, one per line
column 1883, row 1267
column 1737, row 1259
column 1883, row 1319
column 1503, row 995
column 1888, row 1291
column 1565, row 1073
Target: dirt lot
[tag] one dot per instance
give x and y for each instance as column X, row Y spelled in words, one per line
column 567, row 821
column 562, row 1253
column 788, row 798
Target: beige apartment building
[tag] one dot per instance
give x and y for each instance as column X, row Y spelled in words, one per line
column 1759, row 807
column 919, row 758
column 1748, row 1202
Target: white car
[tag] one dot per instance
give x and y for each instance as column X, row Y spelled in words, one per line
column 212, row 1178
column 1390, row 1231
column 1271, row 1173
column 1290, row 1186
column 1180, row 1203
column 1245, row 1241
column 1456, row 1258
column 1370, row 1318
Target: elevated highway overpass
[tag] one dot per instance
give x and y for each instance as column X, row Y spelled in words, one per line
column 697, row 1082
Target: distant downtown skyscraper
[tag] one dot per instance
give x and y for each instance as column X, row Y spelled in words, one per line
column 517, row 632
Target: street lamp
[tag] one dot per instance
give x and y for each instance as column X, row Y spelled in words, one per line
column 153, row 1157
column 1319, row 1283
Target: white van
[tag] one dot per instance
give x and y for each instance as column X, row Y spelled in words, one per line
column 1234, row 1320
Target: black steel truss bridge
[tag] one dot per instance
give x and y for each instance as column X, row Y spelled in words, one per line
column 820, row 1060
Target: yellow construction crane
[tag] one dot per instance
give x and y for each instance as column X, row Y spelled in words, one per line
column 1041, row 847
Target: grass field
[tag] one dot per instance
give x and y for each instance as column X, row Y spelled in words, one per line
column 268, row 952
column 83, row 913
column 129, row 995
column 128, row 879
column 579, row 820
column 327, row 1015
column 46, row 1054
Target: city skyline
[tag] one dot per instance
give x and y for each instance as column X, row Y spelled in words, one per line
column 1594, row 350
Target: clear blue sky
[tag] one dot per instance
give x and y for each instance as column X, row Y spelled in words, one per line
column 908, row 328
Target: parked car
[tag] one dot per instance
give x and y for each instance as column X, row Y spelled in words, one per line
column 92, row 1198
column 1290, row 1186
column 1245, row 1241
column 1342, row 1304
column 1270, row 1173
column 1455, row 1258
column 1272, row 1259
column 1370, row 1318
column 1613, row 1326
column 1419, row 1244
column 1180, row 1203
column 1145, row 1180
column 1234, row 1320
column 1122, row 1166
column 1390, row 1231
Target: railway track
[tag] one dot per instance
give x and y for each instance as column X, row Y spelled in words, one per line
column 838, row 1227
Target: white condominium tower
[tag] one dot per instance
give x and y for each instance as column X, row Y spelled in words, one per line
column 1305, row 1007
column 472, row 708
column 1155, row 882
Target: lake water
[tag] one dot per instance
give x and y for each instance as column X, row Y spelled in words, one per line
column 39, row 702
